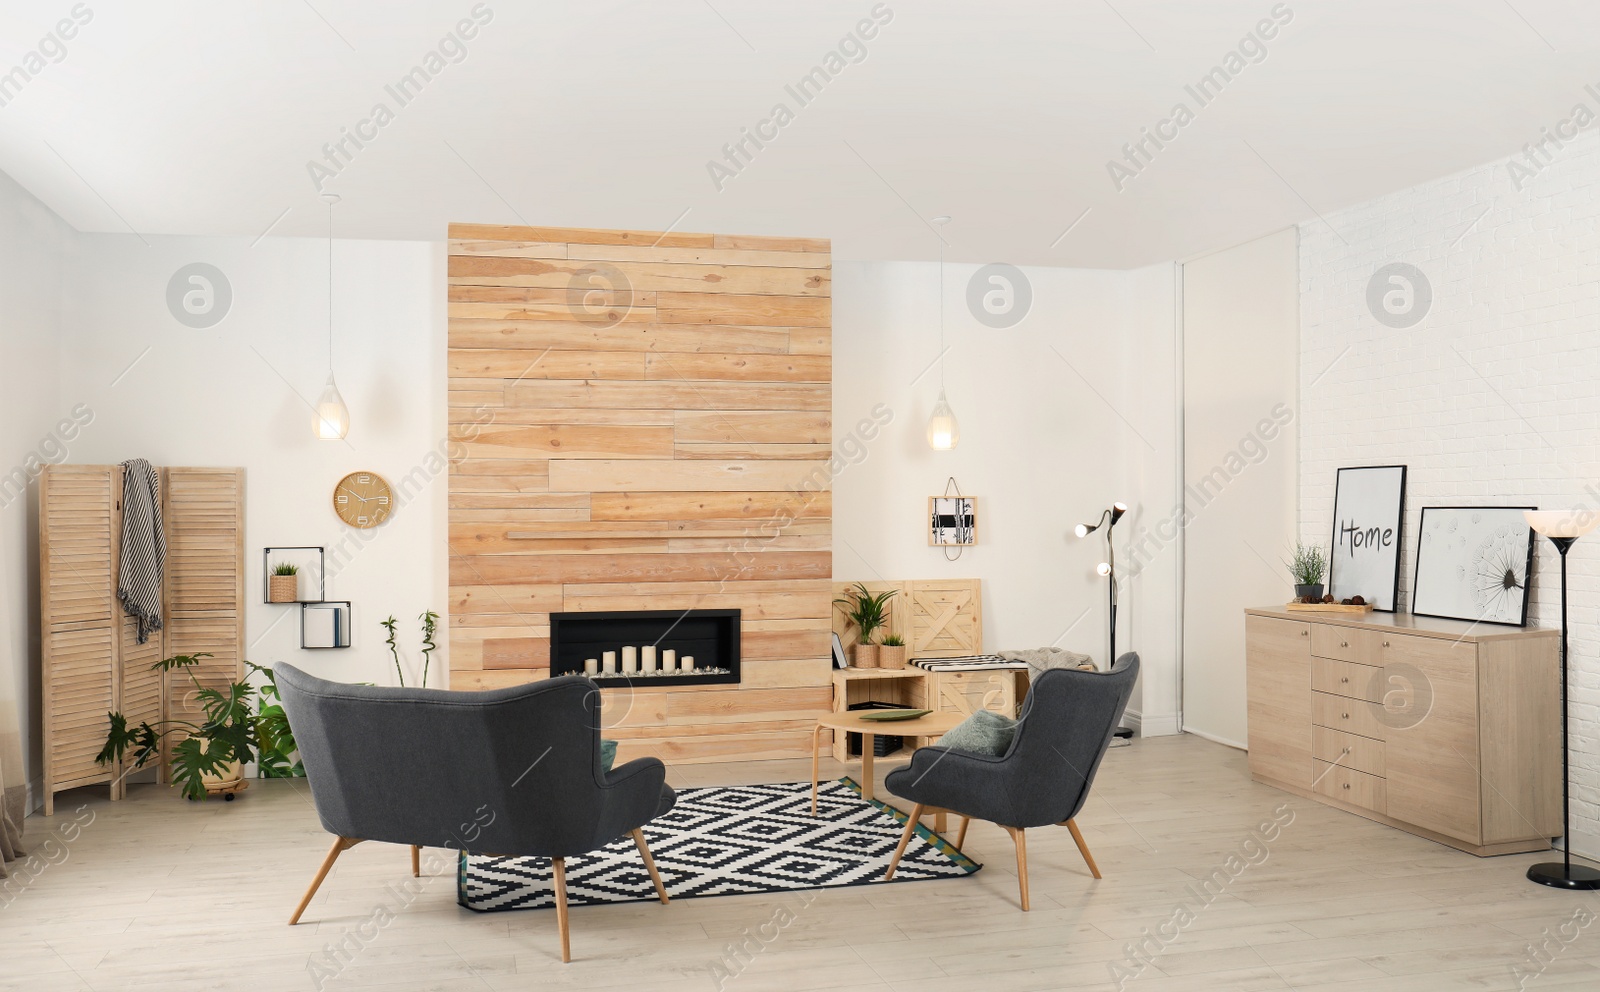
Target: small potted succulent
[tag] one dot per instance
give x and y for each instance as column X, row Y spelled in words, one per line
column 866, row 612
column 283, row 586
column 1308, row 566
column 892, row 652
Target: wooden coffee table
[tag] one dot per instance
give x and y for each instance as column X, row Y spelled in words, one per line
column 931, row 725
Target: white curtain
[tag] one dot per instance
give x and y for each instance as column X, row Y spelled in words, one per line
column 13, row 785
column 13, row 773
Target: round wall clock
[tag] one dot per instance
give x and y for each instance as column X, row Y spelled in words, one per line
column 363, row 499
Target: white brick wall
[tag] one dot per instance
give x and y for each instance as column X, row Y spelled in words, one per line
column 1494, row 397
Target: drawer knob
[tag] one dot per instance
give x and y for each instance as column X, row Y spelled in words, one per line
column 1344, row 716
column 1344, row 644
column 1347, row 785
column 1345, row 680
column 1385, row 643
column 1346, row 750
column 1306, row 632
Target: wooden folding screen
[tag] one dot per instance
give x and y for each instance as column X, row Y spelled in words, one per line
column 92, row 662
column 204, row 595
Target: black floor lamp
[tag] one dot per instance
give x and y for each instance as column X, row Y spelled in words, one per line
column 1564, row 527
column 1108, row 568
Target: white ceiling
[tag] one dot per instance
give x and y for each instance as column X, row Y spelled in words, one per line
column 200, row 118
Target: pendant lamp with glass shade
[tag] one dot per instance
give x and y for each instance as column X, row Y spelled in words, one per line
column 332, row 418
column 943, row 431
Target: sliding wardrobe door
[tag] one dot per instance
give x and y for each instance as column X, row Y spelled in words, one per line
column 204, row 518
column 79, row 539
column 1241, row 329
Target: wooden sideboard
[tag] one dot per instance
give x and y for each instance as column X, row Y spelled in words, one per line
column 1442, row 728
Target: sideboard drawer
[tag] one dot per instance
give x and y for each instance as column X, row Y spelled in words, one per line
column 1345, row 678
column 1338, row 748
column 1343, row 643
column 1353, row 716
column 1396, row 649
column 1350, row 786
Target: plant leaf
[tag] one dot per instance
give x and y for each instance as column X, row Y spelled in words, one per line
column 191, row 761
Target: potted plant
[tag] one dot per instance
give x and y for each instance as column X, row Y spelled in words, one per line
column 211, row 755
column 865, row 612
column 283, row 586
column 892, row 652
column 1308, row 566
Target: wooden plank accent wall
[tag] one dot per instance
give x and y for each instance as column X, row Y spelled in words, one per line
column 642, row 421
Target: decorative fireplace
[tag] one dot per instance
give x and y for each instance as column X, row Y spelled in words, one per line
column 650, row 647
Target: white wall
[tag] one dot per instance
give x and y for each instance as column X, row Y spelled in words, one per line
column 239, row 393
column 1493, row 398
column 1044, row 443
column 1240, row 329
column 1060, row 415
column 33, row 243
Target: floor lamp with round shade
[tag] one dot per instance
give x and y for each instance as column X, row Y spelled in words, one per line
column 1563, row 527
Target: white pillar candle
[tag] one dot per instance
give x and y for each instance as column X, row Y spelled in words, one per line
column 688, row 663
column 630, row 659
column 669, row 659
column 591, row 666
column 609, row 660
column 647, row 661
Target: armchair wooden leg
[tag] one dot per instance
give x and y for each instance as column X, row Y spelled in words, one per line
column 1083, row 849
column 816, row 734
column 650, row 863
column 1017, row 837
column 416, row 861
column 905, row 838
column 561, row 909
column 340, row 845
column 961, row 836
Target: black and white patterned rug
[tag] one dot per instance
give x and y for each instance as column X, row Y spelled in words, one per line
column 727, row 841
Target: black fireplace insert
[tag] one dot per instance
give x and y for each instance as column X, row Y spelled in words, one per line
column 597, row 643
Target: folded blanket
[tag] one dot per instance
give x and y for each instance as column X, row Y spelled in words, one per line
column 144, row 546
column 1041, row 660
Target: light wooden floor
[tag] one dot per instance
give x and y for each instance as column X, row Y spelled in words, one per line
column 162, row 894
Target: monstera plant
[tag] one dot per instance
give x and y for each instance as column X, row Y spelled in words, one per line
column 232, row 731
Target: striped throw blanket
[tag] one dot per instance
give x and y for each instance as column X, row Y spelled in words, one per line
column 144, row 546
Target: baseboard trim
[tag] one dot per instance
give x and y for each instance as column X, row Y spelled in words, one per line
column 1585, row 845
column 1153, row 725
column 1216, row 739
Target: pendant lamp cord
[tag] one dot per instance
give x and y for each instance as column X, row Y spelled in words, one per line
column 941, row 318
column 330, row 289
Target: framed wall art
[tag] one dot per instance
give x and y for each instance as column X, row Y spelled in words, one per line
column 1473, row 563
column 1368, row 515
column 952, row 521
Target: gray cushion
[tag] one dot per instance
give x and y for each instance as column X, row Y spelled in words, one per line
column 984, row 732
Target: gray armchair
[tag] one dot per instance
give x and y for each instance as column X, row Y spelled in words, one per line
column 513, row 772
column 1042, row 779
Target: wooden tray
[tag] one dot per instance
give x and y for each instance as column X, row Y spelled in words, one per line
column 1327, row 608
